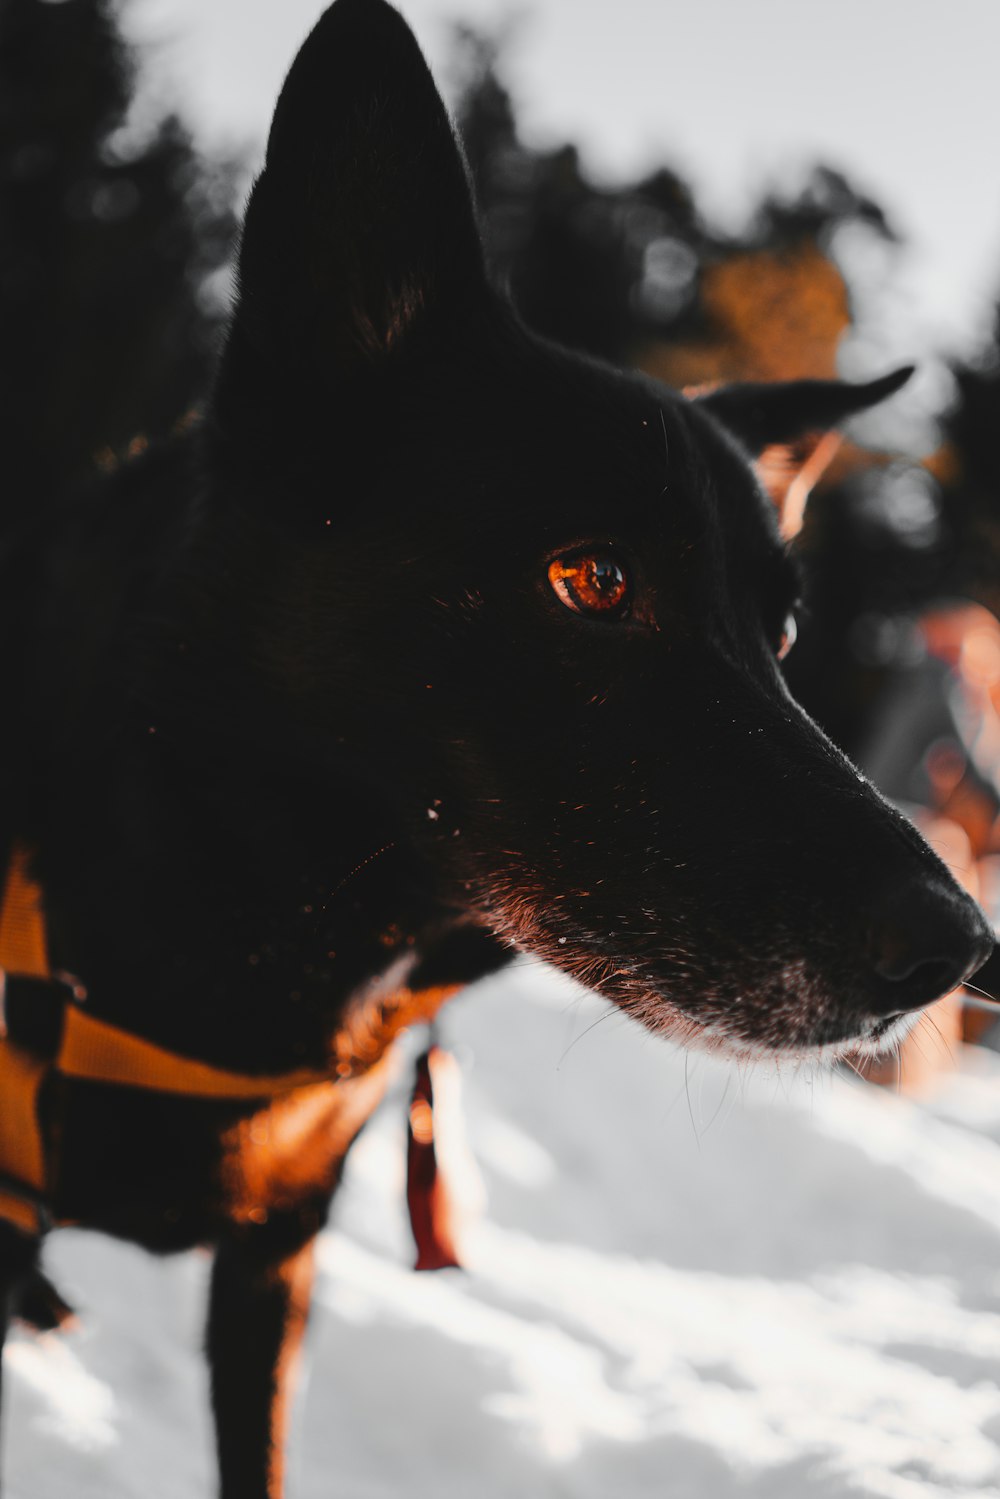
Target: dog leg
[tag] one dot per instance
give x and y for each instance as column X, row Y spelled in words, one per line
column 261, row 1285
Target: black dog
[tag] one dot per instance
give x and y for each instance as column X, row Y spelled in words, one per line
column 433, row 642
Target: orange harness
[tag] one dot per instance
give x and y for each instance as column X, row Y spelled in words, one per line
column 98, row 1052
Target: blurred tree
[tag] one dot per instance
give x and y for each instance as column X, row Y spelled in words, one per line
column 970, row 470
column 109, row 234
column 877, row 548
column 773, row 301
column 635, row 273
column 604, row 270
column 895, row 540
column 826, row 201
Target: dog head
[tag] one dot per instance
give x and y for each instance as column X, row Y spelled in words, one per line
column 537, row 606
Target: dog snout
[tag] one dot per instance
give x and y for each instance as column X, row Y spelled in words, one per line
column 927, row 937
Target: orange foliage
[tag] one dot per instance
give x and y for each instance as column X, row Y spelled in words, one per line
column 774, row 315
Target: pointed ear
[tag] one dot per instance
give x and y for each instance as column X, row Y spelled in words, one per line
column 360, row 229
column 786, row 429
column 760, row 415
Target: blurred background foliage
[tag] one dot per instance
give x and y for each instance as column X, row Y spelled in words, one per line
column 116, row 234
column 111, row 225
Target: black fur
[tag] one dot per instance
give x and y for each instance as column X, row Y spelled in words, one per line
column 298, row 717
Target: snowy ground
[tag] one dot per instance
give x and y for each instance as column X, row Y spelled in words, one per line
column 684, row 1283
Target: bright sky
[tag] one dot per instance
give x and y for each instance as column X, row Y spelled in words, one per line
column 902, row 94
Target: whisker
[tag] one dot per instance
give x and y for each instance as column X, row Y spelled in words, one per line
column 928, row 1019
column 914, row 1036
column 687, row 1094
column 856, row 1070
column 718, row 1110
column 592, row 1026
column 666, row 448
column 356, row 870
column 946, row 852
column 978, row 999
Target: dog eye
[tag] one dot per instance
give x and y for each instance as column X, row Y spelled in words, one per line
column 789, row 635
column 591, row 583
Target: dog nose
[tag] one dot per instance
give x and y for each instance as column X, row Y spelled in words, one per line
column 927, row 938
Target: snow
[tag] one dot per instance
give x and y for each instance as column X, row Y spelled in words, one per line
column 683, row 1279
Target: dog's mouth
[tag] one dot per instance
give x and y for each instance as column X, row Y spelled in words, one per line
column 793, row 1017
column 835, row 1037
column 747, row 1006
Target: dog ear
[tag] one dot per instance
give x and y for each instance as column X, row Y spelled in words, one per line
column 786, row 428
column 760, row 415
column 360, row 229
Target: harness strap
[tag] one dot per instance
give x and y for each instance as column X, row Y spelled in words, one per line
column 96, row 1050
column 89, row 1049
column 23, row 1167
column 102, row 1053
column 23, row 947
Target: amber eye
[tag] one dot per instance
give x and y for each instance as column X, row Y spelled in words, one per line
column 789, row 635
column 591, row 583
